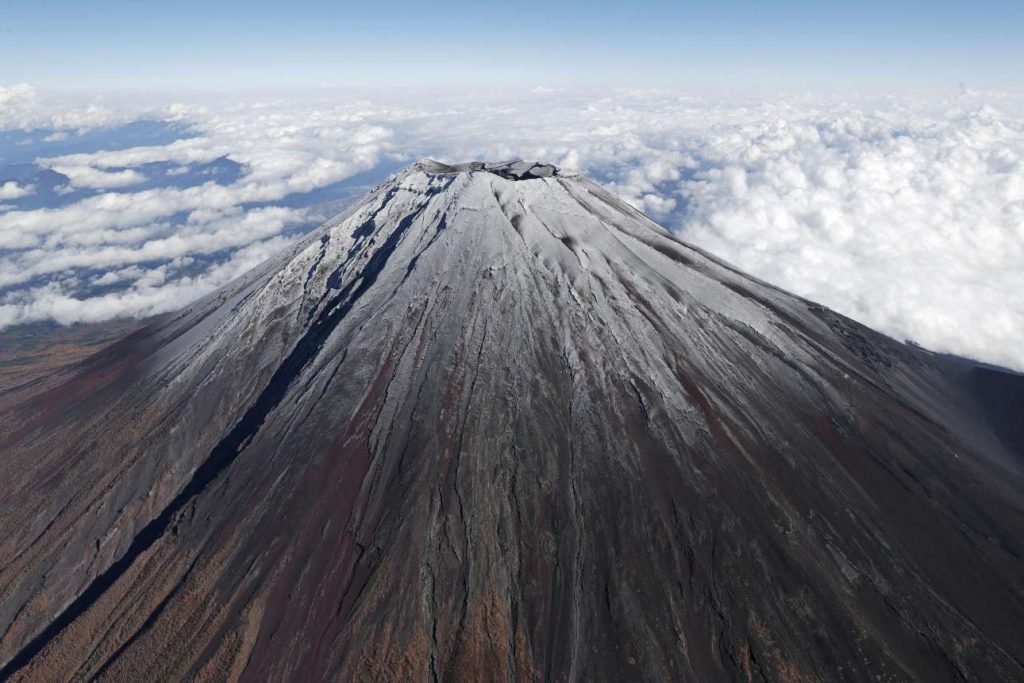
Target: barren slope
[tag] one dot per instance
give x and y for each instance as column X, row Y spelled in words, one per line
column 493, row 423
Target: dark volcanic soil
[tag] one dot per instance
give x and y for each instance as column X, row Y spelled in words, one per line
column 492, row 423
column 38, row 356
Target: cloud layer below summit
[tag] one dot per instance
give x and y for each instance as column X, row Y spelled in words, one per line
column 906, row 213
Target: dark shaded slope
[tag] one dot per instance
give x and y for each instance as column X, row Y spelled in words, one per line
column 1001, row 394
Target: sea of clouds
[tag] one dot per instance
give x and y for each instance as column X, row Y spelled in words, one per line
column 903, row 212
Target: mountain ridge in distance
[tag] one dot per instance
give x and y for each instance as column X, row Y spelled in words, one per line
column 492, row 422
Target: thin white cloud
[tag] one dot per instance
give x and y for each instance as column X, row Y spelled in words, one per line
column 214, row 233
column 88, row 176
column 151, row 293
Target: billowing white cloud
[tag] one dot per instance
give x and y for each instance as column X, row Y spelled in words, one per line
column 915, row 229
column 906, row 213
column 12, row 190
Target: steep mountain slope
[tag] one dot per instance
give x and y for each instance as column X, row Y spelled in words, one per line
column 493, row 423
column 34, row 357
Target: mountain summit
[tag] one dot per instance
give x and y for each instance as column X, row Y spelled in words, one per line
column 493, row 423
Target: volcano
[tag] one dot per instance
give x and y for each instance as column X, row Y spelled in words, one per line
column 493, row 423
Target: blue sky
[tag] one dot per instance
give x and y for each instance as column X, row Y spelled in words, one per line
column 790, row 45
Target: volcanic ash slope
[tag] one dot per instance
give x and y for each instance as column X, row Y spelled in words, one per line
column 492, row 423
